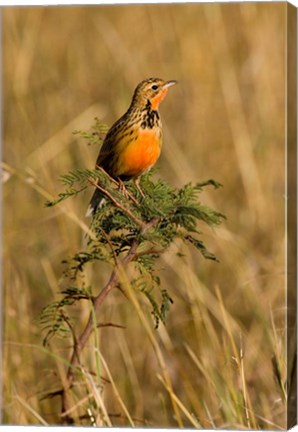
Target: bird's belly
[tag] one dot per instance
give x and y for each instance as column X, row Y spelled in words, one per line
column 141, row 153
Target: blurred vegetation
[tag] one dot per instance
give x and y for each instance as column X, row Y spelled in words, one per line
column 64, row 66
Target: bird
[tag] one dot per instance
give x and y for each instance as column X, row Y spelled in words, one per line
column 133, row 143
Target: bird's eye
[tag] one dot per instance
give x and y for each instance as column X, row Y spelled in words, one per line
column 154, row 87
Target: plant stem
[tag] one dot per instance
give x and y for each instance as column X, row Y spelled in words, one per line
column 80, row 343
column 117, row 204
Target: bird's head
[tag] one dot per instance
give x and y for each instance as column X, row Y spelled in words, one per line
column 153, row 91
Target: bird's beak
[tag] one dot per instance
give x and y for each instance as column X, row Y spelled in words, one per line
column 169, row 84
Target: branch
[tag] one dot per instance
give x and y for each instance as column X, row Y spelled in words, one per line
column 97, row 301
column 110, row 325
column 117, row 204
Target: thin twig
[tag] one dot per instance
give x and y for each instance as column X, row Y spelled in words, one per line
column 99, row 325
column 111, row 246
column 107, row 175
column 52, row 394
column 120, row 184
column 117, row 204
column 75, row 341
column 127, row 193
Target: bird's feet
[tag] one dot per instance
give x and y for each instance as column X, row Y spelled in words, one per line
column 125, row 192
column 137, row 183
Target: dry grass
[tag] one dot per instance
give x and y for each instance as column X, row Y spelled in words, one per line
column 211, row 365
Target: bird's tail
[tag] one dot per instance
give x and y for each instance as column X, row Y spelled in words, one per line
column 96, row 201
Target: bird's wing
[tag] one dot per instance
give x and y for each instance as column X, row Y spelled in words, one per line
column 111, row 140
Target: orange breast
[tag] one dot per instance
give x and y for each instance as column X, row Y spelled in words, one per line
column 141, row 154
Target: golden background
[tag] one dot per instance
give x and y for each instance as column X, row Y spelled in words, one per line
column 64, row 66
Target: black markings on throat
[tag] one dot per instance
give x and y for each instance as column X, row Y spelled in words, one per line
column 150, row 117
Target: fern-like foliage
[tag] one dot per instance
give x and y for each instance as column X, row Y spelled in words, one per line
column 150, row 217
column 54, row 318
